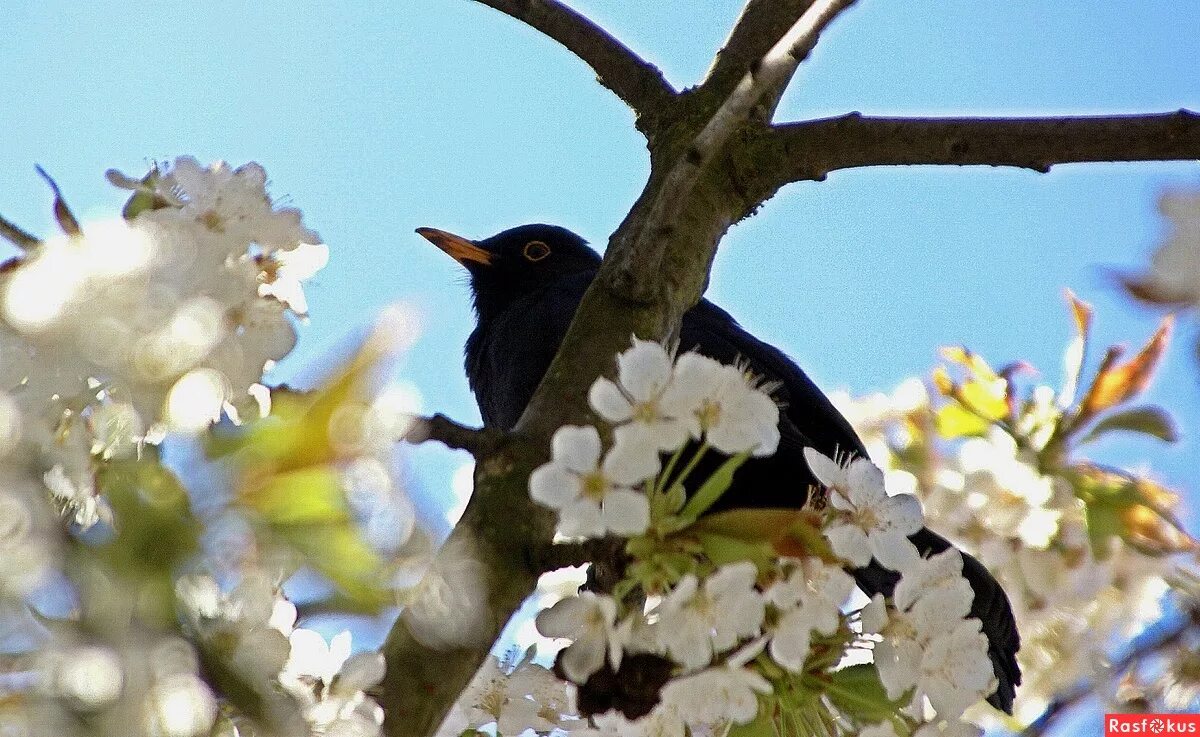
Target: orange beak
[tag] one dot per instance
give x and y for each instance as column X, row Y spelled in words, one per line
column 458, row 248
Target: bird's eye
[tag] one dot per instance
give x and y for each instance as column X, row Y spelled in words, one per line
column 536, row 250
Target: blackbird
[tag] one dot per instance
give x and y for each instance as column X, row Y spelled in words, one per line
column 526, row 284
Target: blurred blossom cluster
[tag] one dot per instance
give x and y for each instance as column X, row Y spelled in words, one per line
column 737, row 620
column 1085, row 552
column 1173, row 279
column 130, row 603
column 1174, row 276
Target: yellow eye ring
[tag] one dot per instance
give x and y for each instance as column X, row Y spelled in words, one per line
column 535, row 251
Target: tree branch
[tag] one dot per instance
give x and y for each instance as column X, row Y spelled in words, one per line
column 478, row 579
column 705, row 161
column 811, row 149
column 770, row 73
column 637, row 82
column 760, row 25
column 479, row 442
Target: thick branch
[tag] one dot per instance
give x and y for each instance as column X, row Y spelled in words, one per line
column 649, row 242
column 760, row 25
column 480, row 576
column 478, row 442
column 812, row 149
column 636, row 81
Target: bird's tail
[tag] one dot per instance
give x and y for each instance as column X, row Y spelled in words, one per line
column 991, row 607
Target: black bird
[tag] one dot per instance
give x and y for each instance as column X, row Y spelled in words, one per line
column 526, row 284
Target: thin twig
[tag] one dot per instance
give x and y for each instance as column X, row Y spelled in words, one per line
column 636, row 81
column 479, row 442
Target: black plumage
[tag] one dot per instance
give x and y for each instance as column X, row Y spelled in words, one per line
column 527, row 282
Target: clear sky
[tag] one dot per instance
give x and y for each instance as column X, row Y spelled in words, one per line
column 377, row 117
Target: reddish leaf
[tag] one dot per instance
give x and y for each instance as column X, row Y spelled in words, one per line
column 1116, row 384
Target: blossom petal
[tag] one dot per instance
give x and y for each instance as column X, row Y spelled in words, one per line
column 606, row 398
column 827, row 472
column 893, row 550
column 902, row 513
column 865, row 482
column 581, row 518
column 626, row 513
column 789, row 647
column 849, row 542
column 583, row 658
column 564, row 619
column 553, row 485
column 633, row 457
column 576, row 448
column 644, row 370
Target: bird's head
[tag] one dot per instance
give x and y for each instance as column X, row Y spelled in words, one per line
column 517, row 261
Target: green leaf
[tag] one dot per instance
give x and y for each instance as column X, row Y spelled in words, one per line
column 306, row 495
column 712, row 489
column 1152, row 421
column 721, row 549
column 762, row 726
column 857, row 690
column 340, row 554
column 954, row 421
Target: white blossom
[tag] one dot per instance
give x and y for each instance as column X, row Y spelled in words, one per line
column 663, row 721
column 867, row 522
column 942, row 572
column 516, row 696
column 698, row 619
column 810, row 600
column 78, row 498
column 592, row 496
column 644, row 372
column 955, row 670
column 330, row 683
column 726, row 693
column 720, row 403
column 589, row 621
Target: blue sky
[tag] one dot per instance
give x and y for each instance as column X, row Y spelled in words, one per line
column 380, row 117
column 377, row 117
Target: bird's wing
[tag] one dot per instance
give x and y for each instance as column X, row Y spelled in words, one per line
column 808, row 418
column 812, row 417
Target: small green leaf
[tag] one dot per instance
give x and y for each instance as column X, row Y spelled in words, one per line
column 762, row 726
column 857, row 690
column 1152, row 421
column 721, row 549
column 341, row 555
column 953, row 421
column 712, row 489
column 305, row 495
column 675, row 498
